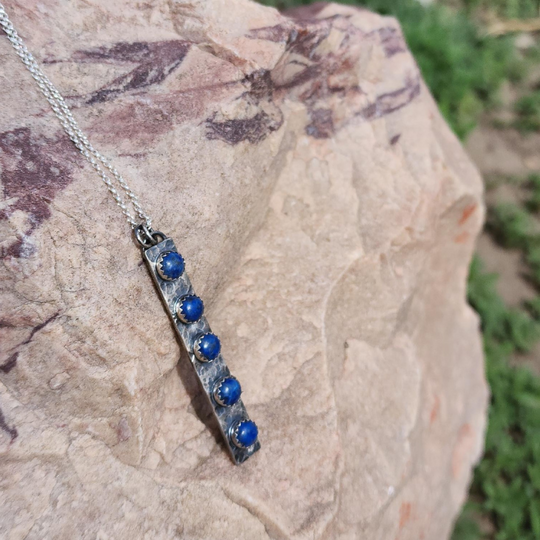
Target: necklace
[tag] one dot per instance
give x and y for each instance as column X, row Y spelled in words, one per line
column 167, row 268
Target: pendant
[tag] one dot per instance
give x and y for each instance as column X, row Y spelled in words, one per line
column 186, row 311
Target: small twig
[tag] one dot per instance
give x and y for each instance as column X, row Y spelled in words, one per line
column 500, row 28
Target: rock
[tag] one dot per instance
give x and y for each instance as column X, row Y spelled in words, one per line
column 327, row 215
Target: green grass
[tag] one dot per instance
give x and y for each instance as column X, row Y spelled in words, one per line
column 506, row 487
column 533, row 202
column 463, row 67
column 514, row 227
column 527, row 110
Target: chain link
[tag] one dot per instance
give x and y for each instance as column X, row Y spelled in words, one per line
column 100, row 163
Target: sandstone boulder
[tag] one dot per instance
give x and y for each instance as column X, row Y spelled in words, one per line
column 327, row 216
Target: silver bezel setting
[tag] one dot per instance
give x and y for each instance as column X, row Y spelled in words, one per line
column 180, row 315
column 159, row 267
column 197, row 349
column 218, row 388
column 234, row 435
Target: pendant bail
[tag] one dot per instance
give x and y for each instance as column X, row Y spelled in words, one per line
column 147, row 237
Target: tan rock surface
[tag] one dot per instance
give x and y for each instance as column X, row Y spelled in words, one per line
column 327, row 216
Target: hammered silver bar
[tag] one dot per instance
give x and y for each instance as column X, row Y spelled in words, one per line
column 208, row 373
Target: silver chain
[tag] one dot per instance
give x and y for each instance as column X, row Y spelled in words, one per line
column 100, row 163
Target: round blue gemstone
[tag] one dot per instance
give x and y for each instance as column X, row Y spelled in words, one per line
column 207, row 347
column 190, row 308
column 171, row 265
column 228, row 392
column 245, row 434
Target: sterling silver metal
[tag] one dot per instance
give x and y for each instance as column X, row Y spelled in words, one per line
column 197, row 350
column 217, row 389
column 233, row 433
column 210, row 374
column 161, row 273
column 154, row 245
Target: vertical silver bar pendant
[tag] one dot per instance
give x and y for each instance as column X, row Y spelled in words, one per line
column 166, row 267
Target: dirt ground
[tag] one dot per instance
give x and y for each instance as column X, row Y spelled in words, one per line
column 500, row 154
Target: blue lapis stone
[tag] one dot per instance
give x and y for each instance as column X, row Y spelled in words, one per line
column 245, row 434
column 171, row 266
column 207, row 347
column 190, row 309
column 228, row 392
